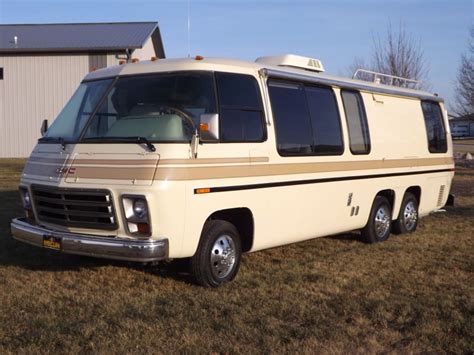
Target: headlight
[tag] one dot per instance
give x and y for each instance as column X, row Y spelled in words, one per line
column 140, row 208
column 25, row 198
column 137, row 217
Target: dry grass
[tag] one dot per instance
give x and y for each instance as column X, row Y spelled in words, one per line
column 410, row 294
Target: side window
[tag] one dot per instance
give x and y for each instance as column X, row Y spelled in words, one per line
column 292, row 120
column 241, row 113
column 359, row 138
column 325, row 121
column 434, row 127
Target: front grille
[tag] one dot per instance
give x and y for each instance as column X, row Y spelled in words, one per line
column 82, row 208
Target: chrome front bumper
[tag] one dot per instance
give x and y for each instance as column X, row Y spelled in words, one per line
column 91, row 245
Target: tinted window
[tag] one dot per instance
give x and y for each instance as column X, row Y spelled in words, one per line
column 325, row 121
column 1, row 73
column 159, row 107
column 292, row 120
column 359, row 139
column 434, row 127
column 241, row 113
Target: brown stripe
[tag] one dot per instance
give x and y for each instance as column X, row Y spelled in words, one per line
column 111, row 173
column 213, row 161
column 115, row 162
column 197, row 173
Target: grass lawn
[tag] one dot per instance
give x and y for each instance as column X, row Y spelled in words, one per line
column 410, row 294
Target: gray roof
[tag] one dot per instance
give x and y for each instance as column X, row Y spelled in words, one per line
column 77, row 37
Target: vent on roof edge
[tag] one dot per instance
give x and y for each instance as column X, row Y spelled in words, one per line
column 295, row 61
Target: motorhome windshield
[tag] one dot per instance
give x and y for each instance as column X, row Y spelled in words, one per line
column 159, row 108
column 74, row 116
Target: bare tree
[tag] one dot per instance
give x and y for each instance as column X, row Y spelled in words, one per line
column 464, row 99
column 395, row 53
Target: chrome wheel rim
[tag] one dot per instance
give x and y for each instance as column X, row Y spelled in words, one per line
column 382, row 221
column 410, row 216
column 223, row 256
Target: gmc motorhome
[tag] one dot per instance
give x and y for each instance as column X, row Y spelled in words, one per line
column 210, row 158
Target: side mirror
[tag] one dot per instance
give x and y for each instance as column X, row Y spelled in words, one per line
column 209, row 127
column 44, row 127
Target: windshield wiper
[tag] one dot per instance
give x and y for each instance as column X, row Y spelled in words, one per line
column 59, row 140
column 138, row 140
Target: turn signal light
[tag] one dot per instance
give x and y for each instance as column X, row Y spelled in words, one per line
column 121, row 62
column 153, row 59
column 203, row 191
column 203, row 127
column 143, row 228
column 199, row 57
column 135, row 60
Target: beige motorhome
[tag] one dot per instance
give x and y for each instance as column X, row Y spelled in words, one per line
column 210, row 158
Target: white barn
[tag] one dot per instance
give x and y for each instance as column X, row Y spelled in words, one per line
column 41, row 66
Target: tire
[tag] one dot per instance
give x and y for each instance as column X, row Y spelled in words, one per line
column 217, row 259
column 407, row 220
column 378, row 226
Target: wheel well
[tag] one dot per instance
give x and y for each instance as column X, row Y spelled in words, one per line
column 416, row 191
column 389, row 195
column 242, row 219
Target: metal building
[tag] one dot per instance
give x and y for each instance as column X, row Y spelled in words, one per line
column 41, row 66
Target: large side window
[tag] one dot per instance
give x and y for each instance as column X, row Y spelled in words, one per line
column 241, row 112
column 359, row 138
column 325, row 121
column 434, row 127
column 306, row 119
column 291, row 116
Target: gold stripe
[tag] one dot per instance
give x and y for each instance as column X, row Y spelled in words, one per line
column 240, row 171
column 234, row 171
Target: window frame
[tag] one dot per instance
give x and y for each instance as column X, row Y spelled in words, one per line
column 1, row 73
column 221, row 107
column 364, row 120
column 305, row 84
column 444, row 151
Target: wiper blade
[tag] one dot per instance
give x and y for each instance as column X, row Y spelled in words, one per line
column 138, row 140
column 54, row 139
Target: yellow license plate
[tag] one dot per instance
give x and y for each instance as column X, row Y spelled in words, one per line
column 51, row 242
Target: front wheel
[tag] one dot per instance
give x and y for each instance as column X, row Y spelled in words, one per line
column 377, row 228
column 217, row 258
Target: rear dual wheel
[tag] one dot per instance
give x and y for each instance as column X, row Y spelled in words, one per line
column 407, row 220
column 378, row 226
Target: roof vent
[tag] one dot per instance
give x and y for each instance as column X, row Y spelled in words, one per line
column 295, row 61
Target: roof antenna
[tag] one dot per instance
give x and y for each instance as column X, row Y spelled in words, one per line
column 189, row 30
column 15, row 41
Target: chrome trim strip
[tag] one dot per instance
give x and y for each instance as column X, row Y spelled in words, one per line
column 350, row 84
column 92, row 245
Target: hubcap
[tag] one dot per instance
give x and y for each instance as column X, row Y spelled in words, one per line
column 382, row 221
column 410, row 216
column 223, row 256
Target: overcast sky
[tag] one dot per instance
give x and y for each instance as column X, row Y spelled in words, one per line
column 333, row 31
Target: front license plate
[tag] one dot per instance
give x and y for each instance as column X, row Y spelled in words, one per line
column 51, row 242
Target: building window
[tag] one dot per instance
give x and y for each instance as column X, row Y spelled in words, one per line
column 241, row 112
column 359, row 138
column 306, row 119
column 435, row 130
column 1, row 73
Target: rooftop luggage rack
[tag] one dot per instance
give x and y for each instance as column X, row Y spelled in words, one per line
column 387, row 79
